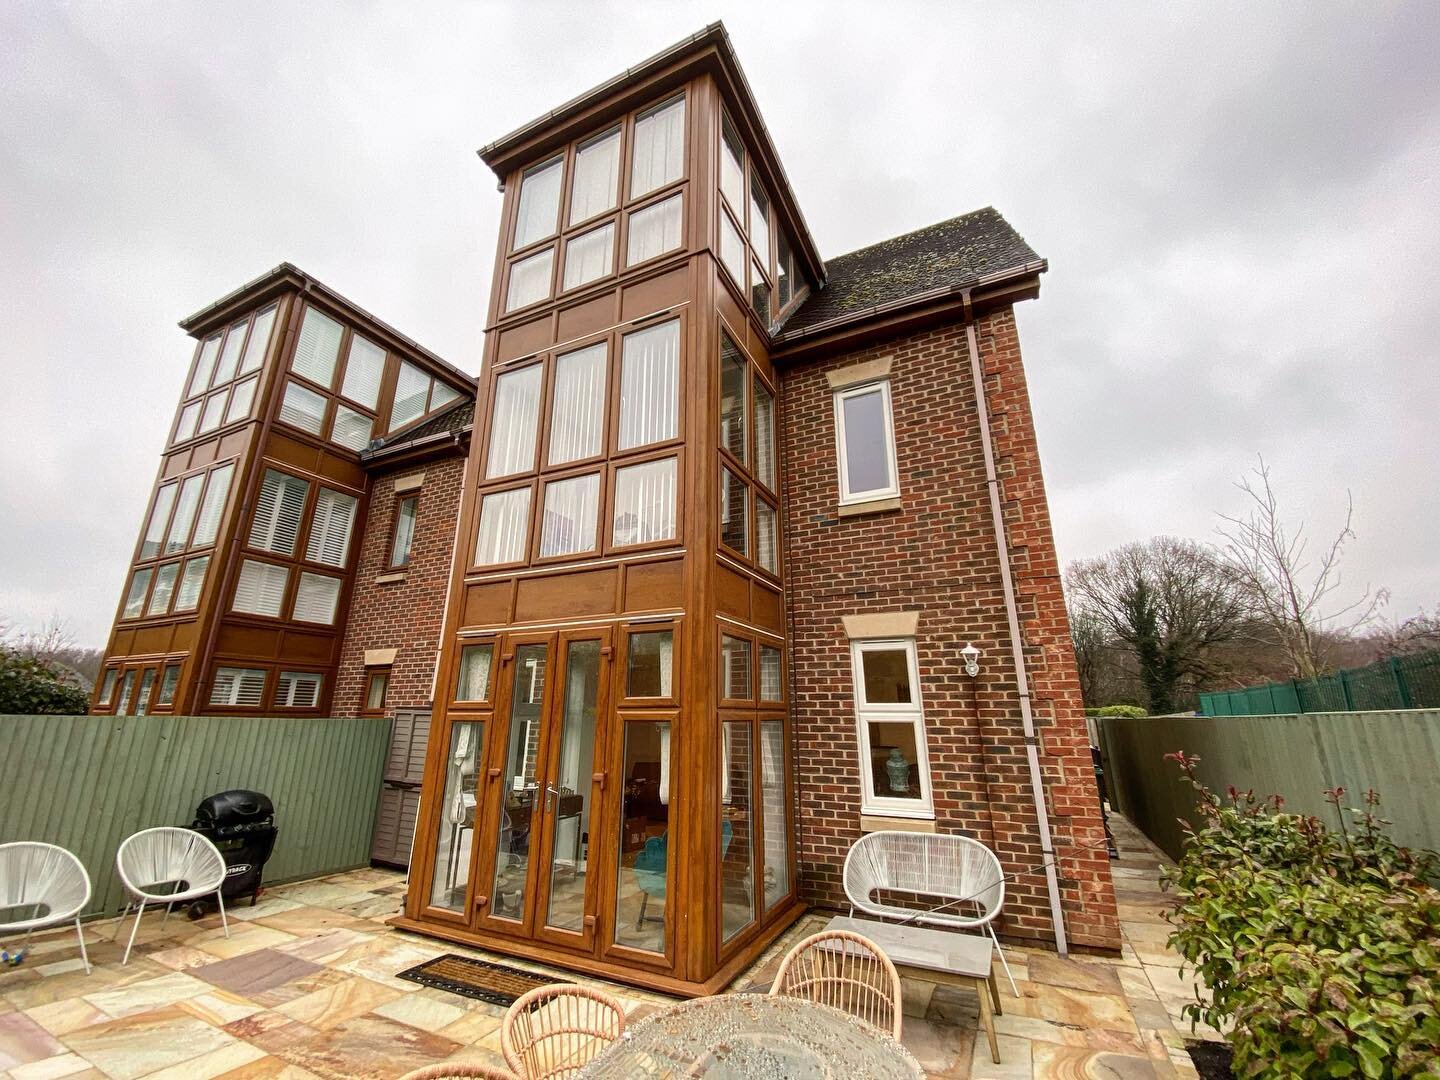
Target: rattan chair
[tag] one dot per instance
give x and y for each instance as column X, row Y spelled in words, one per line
column 846, row 971
column 459, row 1071
column 184, row 861
column 554, row 1031
column 47, row 879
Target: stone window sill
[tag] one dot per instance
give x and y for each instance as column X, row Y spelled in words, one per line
column 871, row 506
column 387, row 579
column 878, row 823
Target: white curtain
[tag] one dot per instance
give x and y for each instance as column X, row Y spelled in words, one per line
column 649, row 385
column 191, row 581
column 765, row 536
column 659, row 154
column 644, row 503
column 204, row 366
column 504, row 527
column 474, row 672
column 597, row 172
column 590, row 256
column 530, row 280
column 577, row 413
column 516, row 415
column 159, row 516
column 654, row 230
column 539, row 203
column 664, row 764
column 460, row 767
column 571, row 509
column 241, row 398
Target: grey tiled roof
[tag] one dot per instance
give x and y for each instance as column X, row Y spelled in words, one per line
column 455, row 419
column 958, row 252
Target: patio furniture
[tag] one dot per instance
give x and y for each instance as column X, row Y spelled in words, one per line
column 651, row 867
column 168, row 866
column 459, row 1071
column 750, row 1035
column 554, row 1030
column 845, row 969
column 956, row 871
column 936, row 956
column 47, row 879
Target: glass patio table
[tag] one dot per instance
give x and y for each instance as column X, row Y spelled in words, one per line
column 754, row 1036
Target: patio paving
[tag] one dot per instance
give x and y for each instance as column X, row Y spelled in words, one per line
column 304, row 987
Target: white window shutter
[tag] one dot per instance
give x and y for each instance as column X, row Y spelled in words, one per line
column 277, row 512
column 329, row 541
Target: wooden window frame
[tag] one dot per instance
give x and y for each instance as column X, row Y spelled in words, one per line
column 516, row 253
column 322, row 692
column 722, row 689
column 626, row 631
column 500, row 488
column 612, row 486
column 537, row 510
column 236, row 377
column 838, row 399
column 384, row 671
column 487, row 703
column 913, row 713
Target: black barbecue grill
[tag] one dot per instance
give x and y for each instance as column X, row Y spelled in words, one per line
column 242, row 825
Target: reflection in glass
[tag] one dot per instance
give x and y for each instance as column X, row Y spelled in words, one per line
column 867, row 448
column 772, row 808
column 648, row 664
column 147, row 682
column 640, row 894
column 894, row 759
column 735, row 668
column 512, row 850
column 734, row 509
column 770, row 685
column 887, row 676
column 569, row 800
column 457, row 817
column 732, row 399
column 737, row 894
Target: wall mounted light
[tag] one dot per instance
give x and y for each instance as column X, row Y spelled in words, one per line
column 971, row 655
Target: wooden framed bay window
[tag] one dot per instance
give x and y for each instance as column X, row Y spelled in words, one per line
column 865, row 443
column 890, row 722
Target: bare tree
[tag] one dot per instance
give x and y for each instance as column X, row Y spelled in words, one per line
column 1292, row 593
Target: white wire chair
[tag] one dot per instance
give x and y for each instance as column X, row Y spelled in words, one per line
column 459, row 1071
column 48, row 879
column 960, row 872
column 554, row 1031
column 180, row 859
column 846, row 971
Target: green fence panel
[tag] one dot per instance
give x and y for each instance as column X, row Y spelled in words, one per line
column 87, row 782
column 1401, row 682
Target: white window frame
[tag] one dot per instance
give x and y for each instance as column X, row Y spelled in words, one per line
column 866, row 713
column 892, row 490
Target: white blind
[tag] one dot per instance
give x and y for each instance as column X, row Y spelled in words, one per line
column 654, row 230
column 241, row 398
column 303, row 408
column 577, row 413
column 759, row 222
column 318, row 347
column 644, row 503
column 214, row 410
column 515, row 417
column 204, row 366
column 597, row 171
column 277, row 512
column 539, row 208
column 732, row 250
column 442, row 394
column 764, row 435
column 315, row 598
column 260, row 589
column 135, row 598
column 237, row 686
column 298, row 689
column 329, row 540
column 412, row 389
column 175, row 539
column 171, row 679
column 571, row 508
column 212, row 506
column 732, row 165
column 189, row 417
column 191, row 581
column 230, row 354
column 159, row 517
column 364, row 369
column 504, row 527
column 770, row 674
column 765, row 553
column 351, row 429
column 590, row 256
column 164, row 589
column 659, row 155
column 649, row 385
column 530, row 280
column 259, row 339
column 474, row 681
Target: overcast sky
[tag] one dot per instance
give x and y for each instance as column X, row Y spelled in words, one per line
column 1238, row 202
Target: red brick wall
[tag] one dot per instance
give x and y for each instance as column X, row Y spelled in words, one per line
column 402, row 615
column 936, row 555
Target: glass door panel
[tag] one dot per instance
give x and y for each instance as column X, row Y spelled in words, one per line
column 643, row 867
column 456, row 835
column 520, row 807
column 737, row 888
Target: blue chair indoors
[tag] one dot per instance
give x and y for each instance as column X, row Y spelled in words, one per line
column 651, row 865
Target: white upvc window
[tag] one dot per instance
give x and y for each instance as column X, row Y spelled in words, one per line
column 890, row 720
column 865, row 443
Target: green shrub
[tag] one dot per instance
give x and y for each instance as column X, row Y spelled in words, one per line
column 31, row 687
column 1133, row 712
column 1319, row 946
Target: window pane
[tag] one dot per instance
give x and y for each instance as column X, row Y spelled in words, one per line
column 237, row 686
column 659, row 155
column 519, row 790
column 577, row 414
column 375, row 688
column 204, row 367
column 644, row 863
column 597, row 174
column 772, row 806
column 514, row 419
column 504, row 527
column 770, row 685
column 644, row 503
column 759, row 222
column 364, row 368
column 329, row 540
column 574, row 770
column 457, row 817
column 230, row 354
column 351, row 429
column 732, row 165
column 590, row 256
column 159, row 518
column 784, row 283
column 734, row 511
column 894, row 759
column 303, row 408
column 735, row 668
column 649, row 664
column 298, row 689
column 530, row 280
column 572, row 508
column 212, row 506
column 259, row 339
column 135, row 596
column 142, row 699
column 737, row 893
column 441, row 394
column 654, row 230
column 260, row 589
column 732, row 398
column 867, row 450
column 539, row 207
column 412, row 390
column 318, row 348
column 277, row 512
column 316, row 597
column 122, row 707
column 764, row 435
column 167, row 685
column 405, row 511
column 766, row 552
column 107, row 688
column 649, row 385
column 214, row 410
column 241, row 398
column 191, row 581
column 886, row 676
column 189, row 417
column 474, row 681
column 179, row 533
column 759, row 294
column 732, row 250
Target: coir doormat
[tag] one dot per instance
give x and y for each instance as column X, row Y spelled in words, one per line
column 495, row 983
